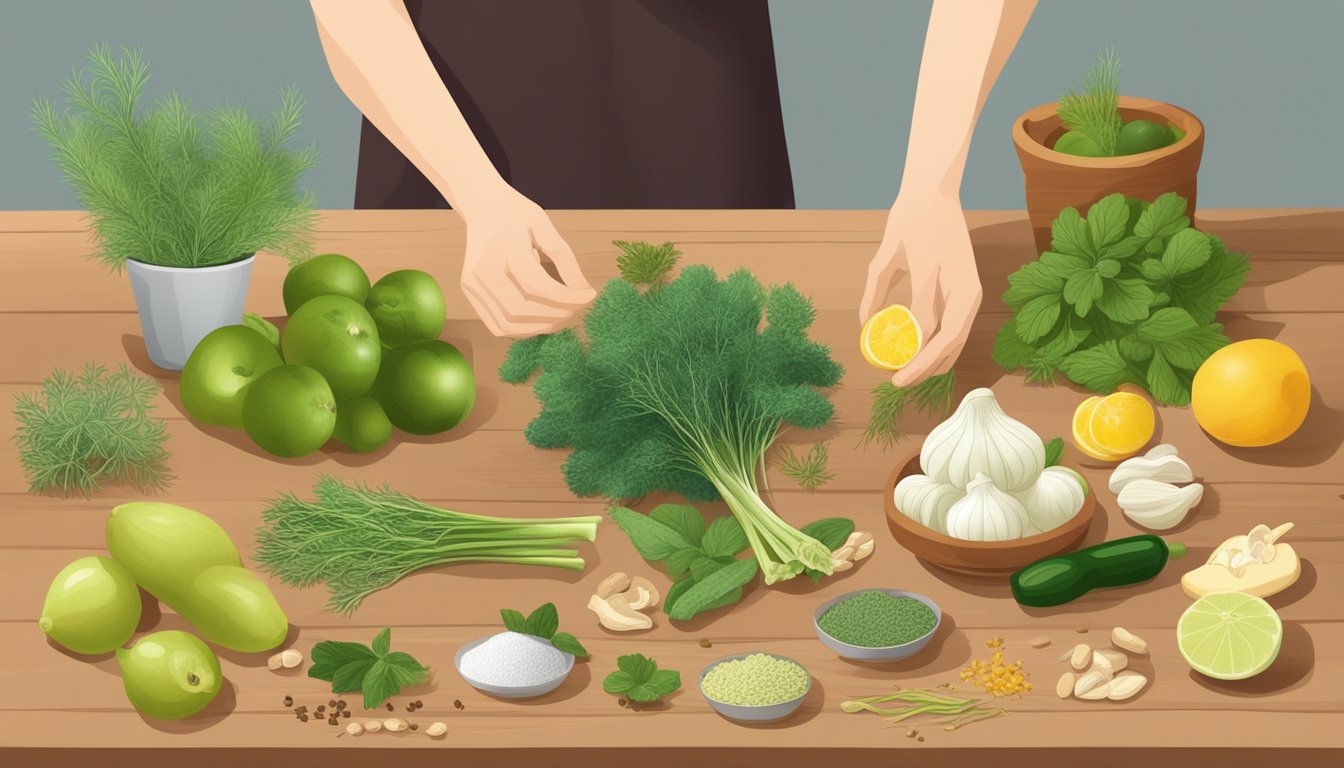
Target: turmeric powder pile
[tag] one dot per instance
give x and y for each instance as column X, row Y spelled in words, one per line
column 995, row 676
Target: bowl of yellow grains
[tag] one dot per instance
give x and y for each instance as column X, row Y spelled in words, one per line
column 755, row 687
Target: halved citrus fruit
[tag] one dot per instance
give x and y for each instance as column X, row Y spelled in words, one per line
column 891, row 338
column 1082, row 437
column 1229, row 635
column 1121, row 424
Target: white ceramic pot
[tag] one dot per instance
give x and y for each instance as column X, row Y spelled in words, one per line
column 180, row 305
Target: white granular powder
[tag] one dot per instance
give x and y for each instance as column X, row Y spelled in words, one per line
column 513, row 659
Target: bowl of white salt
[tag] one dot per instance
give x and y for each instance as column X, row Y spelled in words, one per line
column 512, row 665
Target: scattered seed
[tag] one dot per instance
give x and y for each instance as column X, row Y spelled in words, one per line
column 390, row 708
column 331, row 703
column 419, row 703
column 414, row 727
column 921, row 738
column 333, row 720
column 289, row 701
column 994, row 642
column 354, row 729
column 457, row 704
column 410, row 707
column 1128, row 641
column 621, row 701
column 1040, row 642
column 912, row 733
column 704, row 642
column 304, row 718
column 437, row 730
column 1081, row 630
column 345, row 713
column 394, row 724
column 373, row 725
column 340, row 703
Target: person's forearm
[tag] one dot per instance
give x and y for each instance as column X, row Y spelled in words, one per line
column 379, row 61
column 965, row 48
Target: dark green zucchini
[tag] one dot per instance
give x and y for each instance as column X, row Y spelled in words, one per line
column 1063, row 579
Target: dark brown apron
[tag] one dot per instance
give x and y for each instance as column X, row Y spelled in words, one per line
column 603, row 103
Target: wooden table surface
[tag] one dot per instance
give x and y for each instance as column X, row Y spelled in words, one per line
column 61, row 310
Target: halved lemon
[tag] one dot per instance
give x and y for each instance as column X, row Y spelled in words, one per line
column 1082, row 435
column 1121, row 424
column 891, row 338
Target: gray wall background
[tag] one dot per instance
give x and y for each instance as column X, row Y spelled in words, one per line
column 1265, row 77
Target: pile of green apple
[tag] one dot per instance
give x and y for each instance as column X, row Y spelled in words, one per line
column 354, row 360
column 187, row 561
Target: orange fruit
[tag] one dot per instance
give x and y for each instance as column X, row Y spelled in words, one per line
column 1121, row 424
column 891, row 338
column 1251, row 393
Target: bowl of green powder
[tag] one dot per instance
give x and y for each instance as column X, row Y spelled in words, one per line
column 755, row 687
column 877, row 624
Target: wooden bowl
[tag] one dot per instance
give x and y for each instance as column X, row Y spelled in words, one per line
column 981, row 558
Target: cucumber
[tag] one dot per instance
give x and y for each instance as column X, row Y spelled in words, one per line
column 1065, row 578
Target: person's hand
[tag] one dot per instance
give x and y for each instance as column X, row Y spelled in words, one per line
column 503, row 276
column 927, row 239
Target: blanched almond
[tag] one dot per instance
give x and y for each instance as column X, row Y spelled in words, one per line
column 1039, row 642
column 1081, row 656
column 1087, row 682
column 1097, row 693
column 1125, row 685
column 1117, row 660
column 1064, row 688
column 1128, row 641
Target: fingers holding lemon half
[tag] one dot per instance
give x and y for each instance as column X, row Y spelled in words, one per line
column 891, row 338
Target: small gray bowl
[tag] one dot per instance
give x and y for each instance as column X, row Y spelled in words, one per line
column 753, row 714
column 511, row 691
column 889, row 653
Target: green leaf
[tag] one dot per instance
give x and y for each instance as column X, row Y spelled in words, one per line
column 1183, row 343
column 1032, row 281
column 514, row 621
column 639, row 678
column 1068, row 235
column 702, row 566
column 1064, row 264
column 1106, row 220
column 652, row 539
column 705, row 593
column 564, row 641
column 1010, row 351
column 1099, row 368
column 350, row 678
column 675, row 592
column 618, row 682
column 1071, row 333
column 1123, row 250
column 1186, row 251
column 1133, row 349
column 388, row 676
column 544, row 621
column 661, row 683
column 683, row 519
column 1165, row 384
column 1204, row 291
column 1164, row 218
column 1054, row 451
column 1037, row 317
column 1125, row 300
column 329, row 656
column 681, row 560
column 830, row 531
column 724, row 538
column 646, row 264
column 638, row 666
column 1081, row 289
column 1154, row 270
column 382, row 642
column 1108, row 268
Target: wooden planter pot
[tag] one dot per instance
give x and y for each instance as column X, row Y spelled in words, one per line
column 1056, row 181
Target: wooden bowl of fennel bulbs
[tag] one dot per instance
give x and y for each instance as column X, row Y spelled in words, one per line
column 985, row 496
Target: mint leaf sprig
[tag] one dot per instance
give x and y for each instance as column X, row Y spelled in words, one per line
column 375, row 669
column 638, row 678
column 544, row 623
column 1126, row 295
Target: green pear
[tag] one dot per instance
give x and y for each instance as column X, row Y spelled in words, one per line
column 92, row 606
column 169, row 675
column 234, row 608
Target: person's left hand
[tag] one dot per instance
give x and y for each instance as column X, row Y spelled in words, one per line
column 927, row 239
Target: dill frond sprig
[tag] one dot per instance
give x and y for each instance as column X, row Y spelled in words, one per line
column 165, row 186
column 1094, row 110
column 933, row 397
column 81, row 432
column 807, row 470
column 645, row 264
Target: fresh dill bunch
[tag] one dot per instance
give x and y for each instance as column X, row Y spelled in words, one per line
column 933, row 396
column 166, row 186
column 84, row 431
column 1094, row 110
column 809, row 469
column 645, row 264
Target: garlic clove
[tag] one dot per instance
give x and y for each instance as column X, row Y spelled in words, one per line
column 980, row 438
column 1158, row 451
column 1157, row 505
column 1167, row 468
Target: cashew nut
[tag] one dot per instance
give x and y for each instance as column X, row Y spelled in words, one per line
column 615, row 614
column 1127, row 641
column 862, row 542
column 641, row 595
column 436, row 730
column 615, row 583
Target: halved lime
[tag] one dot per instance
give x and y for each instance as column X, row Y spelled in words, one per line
column 1229, row 635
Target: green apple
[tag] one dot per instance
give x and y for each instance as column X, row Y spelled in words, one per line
column 290, row 411
column 1142, row 136
column 336, row 337
column 220, row 369
column 426, row 388
column 326, row 275
column 92, row 606
column 169, row 675
column 362, row 425
column 1078, row 144
column 408, row 307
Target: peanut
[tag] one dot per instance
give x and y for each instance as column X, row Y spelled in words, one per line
column 1089, row 682
column 1081, row 656
column 1039, row 642
column 1125, row 685
column 1127, row 641
column 436, row 730
column 1064, row 688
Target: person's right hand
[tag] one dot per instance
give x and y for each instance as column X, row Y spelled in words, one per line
column 503, row 276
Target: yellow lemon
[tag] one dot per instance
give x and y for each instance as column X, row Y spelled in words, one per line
column 891, row 338
column 1082, row 420
column 1253, row 392
column 1121, row 424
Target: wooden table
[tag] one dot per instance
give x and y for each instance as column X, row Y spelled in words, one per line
column 61, row 310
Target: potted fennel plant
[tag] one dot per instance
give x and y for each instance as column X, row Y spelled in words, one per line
column 181, row 201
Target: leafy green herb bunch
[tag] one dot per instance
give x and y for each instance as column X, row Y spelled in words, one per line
column 1128, row 294
column 166, row 186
